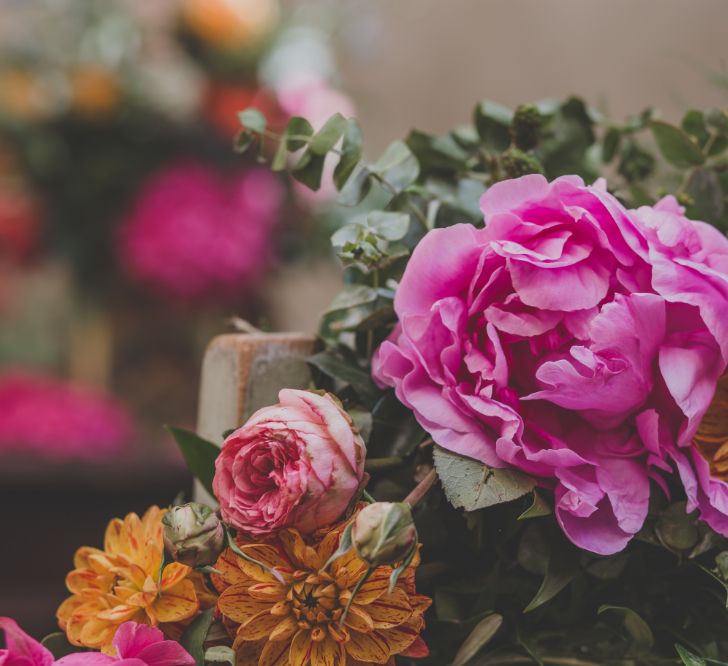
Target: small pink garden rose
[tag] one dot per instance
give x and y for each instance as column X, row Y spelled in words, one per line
column 294, row 464
column 569, row 338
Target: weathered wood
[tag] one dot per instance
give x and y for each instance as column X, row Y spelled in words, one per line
column 244, row 372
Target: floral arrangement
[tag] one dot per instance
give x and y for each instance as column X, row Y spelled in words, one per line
column 513, row 451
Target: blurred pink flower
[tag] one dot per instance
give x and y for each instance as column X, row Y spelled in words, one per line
column 194, row 234
column 316, row 101
column 52, row 418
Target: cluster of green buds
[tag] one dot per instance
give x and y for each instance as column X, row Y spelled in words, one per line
column 193, row 534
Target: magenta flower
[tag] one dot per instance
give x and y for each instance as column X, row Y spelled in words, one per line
column 52, row 418
column 195, row 235
column 569, row 338
column 136, row 645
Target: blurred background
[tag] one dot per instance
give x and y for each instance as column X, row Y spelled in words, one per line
column 131, row 232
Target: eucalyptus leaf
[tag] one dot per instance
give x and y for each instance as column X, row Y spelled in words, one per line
column 193, row 638
column 336, row 368
column 639, row 631
column 351, row 150
column 397, row 166
column 492, row 122
column 611, row 143
column 479, row 637
column 298, row 133
column 253, row 120
column 705, row 189
column 328, row 136
column 471, row 485
column 676, row 528
column 309, row 169
column 356, row 187
column 388, row 225
column 199, row 454
column 676, row 145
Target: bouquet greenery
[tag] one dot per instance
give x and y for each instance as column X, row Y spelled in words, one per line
column 514, row 450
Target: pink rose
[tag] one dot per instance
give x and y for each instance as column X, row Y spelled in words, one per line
column 136, row 645
column 564, row 340
column 295, row 464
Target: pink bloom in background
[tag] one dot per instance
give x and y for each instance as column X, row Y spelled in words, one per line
column 572, row 339
column 194, row 234
column 316, row 101
column 55, row 419
column 294, row 464
column 136, row 645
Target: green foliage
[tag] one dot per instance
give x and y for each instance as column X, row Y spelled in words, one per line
column 508, row 587
column 199, row 454
column 58, row 644
column 193, row 639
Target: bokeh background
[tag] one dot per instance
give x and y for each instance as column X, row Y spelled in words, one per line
column 131, row 232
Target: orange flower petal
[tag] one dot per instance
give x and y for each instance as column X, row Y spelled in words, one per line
column 274, row 654
column 368, row 647
column 303, row 556
column 173, row 573
column 118, row 614
column 230, row 572
column 400, row 638
column 359, row 620
column 259, row 626
column 284, row 630
column 266, row 555
column 248, row 653
column 236, row 604
column 300, row 650
column 97, row 633
column 375, row 587
column 270, row 592
column 390, row 610
column 328, row 653
column 177, row 603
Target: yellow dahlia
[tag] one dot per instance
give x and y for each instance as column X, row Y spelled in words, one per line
column 122, row 582
column 298, row 621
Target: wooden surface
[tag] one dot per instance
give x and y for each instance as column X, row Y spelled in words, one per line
column 242, row 373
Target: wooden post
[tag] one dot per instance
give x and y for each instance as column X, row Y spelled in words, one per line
column 244, row 372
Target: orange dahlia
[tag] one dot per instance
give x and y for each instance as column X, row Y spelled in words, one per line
column 297, row 621
column 123, row 582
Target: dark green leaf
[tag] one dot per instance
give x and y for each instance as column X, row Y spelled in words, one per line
column 58, row 644
column 561, row 569
column 688, row 658
column 638, row 630
column 309, row 170
column 478, row 638
column 350, row 153
column 539, row 507
column 280, row 159
column 335, row 367
column 199, row 454
column 492, row 122
column 436, row 152
column 471, row 485
column 676, row 146
column 327, row 137
column 351, row 296
column 611, row 143
column 243, row 141
column 396, row 573
column 704, row 188
column 693, row 123
column 676, row 528
column 193, row 639
column 298, row 133
column 398, row 167
column 253, row 120
column 356, row 187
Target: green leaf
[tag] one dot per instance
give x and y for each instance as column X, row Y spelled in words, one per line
column 434, row 152
column 280, row 160
column 705, row 189
column 58, row 644
column 397, row 166
column 199, row 454
column 492, row 122
column 356, row 187
column 335, row 367
column 396, row 573
column 471, row 485
column 243, row 141
column 539, row 507
column 388, row 225
column 351, row 296
column 676, row 528
column 327, row 137
column 639, row 631
column 676, row 145
column 693, row 123
column 350, row 153
column 253, row 120
column 309, row 170
column 688, row 658
column 220, row 654
column 478, row 638
column 296, row 129
column 561, row 569
column 611, row 144
column 193, row 639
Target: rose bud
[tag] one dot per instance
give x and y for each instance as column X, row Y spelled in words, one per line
column 384, row 533
column 193, row 534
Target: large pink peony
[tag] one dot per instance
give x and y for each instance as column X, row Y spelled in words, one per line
column 295, row 464
column 570, row 338
column 196, row 235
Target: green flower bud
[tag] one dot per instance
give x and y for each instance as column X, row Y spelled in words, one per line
column 193, row 534
column 636, row 163
column 526, row 126
column 384, row 533
column 516, row 163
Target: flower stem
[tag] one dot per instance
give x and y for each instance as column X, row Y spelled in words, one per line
column 420, row 490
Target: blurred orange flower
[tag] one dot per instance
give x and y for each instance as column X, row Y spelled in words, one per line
column 94, row 91
column 298, row 621
column 123, row 582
